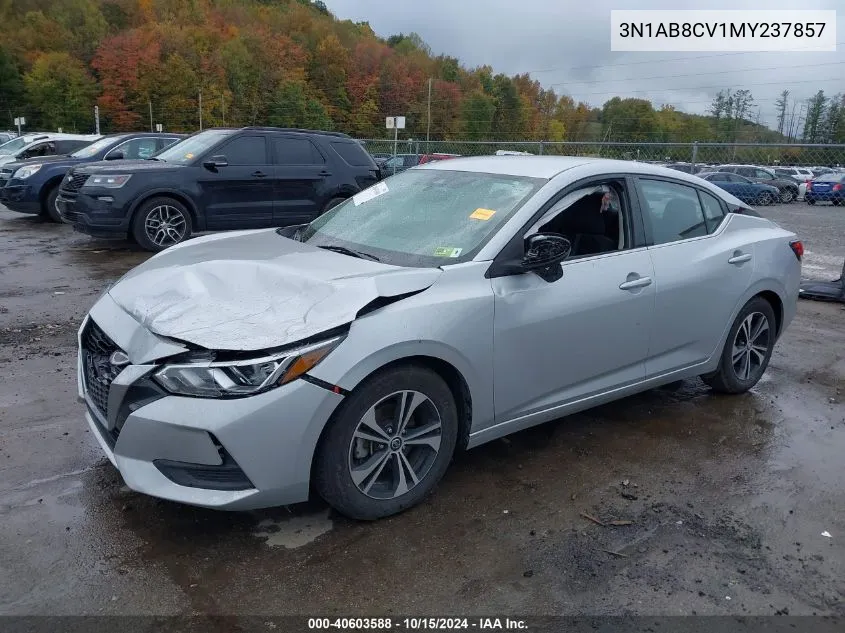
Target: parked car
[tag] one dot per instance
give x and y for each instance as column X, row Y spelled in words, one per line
column 32, row 186
column 5, row 137
column 821, row 171
column 687, row 168
column 38, row 145
column 743, row 188
column 401, row 162
column 215, row 180
column 798, row 173
column 446, row 307
column 787, row 187
column 826, row 188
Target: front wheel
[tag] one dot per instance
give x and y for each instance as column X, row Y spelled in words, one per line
column 49, row 208
column 747, row 350
column 389, row 444
column 765, row 199
column 161, row 222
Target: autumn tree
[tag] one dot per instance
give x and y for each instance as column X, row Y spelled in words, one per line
column 477, row 114
column 62, row 92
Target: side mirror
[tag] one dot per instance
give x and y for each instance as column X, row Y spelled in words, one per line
column 543, row 254
column 116, row 155
column 216, row 161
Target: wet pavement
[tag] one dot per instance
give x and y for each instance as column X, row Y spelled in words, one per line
column 673, row 501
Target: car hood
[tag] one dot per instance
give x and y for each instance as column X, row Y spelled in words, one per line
column 44, row 160
column 126, row 166
column 254, row 290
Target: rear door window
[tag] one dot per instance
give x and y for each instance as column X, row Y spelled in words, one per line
column 674, row 211
column 296, row 151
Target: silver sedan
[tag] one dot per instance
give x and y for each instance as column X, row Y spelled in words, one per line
column 440, row 309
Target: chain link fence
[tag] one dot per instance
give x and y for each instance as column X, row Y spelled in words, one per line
column 699, row 155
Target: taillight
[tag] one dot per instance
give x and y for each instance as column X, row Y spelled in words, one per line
column 809, row 185
column 797, row 248
column 837, row 186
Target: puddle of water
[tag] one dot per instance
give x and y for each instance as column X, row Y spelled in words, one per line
column 294, row 532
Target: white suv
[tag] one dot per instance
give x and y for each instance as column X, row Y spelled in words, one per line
column 49, row 144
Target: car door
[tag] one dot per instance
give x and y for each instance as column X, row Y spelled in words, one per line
column 701, row 271
column 300, row 176
column 559, row 343
column 239, row 194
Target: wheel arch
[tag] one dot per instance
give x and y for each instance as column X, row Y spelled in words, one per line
column 47, row 187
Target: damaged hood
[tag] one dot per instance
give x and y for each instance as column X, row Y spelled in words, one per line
column 254, row 290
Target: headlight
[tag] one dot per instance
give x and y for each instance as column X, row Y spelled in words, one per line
column 109, row 182
column 26, row 172
column 242, row 378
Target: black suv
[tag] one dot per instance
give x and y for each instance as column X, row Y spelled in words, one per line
column 31, row 186
column 217, row 179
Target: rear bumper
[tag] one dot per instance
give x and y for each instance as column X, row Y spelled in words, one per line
column 825, row 196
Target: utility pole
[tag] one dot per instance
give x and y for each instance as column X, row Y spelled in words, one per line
column 200, row 110
column 97, row 120
column 428, row 130
column 151, row 114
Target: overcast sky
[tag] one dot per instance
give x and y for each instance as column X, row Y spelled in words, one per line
column 565, row 44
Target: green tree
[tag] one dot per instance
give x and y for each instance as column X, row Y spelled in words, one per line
column 11, row 85
column 477, row 114
column 815, row 115
column 782, row 104
column 292, row 107
column 629, row 120
column 62, row 92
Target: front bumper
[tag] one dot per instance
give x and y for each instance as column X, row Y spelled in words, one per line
column 269, row 439
column 100, row 213
column 20, row 198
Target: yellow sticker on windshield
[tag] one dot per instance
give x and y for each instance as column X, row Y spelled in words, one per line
column 482, row 214
column 189, row 156
column 447, row 251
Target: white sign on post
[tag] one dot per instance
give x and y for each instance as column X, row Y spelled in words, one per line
column 395, row 123
column 20, row 120
column 158, row 127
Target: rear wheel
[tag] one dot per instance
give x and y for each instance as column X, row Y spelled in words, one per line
column 747, row 350
column 161, row 222
column 389, row 444
column 810, row 201
column 48, row 206
column 787, row 195
column 837, row 203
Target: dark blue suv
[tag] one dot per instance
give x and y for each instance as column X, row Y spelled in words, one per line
column 31, row 186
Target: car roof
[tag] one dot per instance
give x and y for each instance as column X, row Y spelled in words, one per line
column 550, row 166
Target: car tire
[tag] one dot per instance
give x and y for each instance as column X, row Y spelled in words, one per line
column 810, row 201
column 742, row 364
column 331, row 204
column 366, row 479
column 765, row 199
column 152, row 214
column 787, row 195
column 48, row 205
column 837, row 203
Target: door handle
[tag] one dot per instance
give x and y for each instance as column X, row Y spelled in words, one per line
column 640, row 282
column 740, row 259
column 258, row 174
column 325, row 173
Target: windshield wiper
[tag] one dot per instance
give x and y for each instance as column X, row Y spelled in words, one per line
column 348, row 251
column 161, row 160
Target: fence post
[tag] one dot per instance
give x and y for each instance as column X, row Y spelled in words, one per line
column 541, row 148
column 694, row 154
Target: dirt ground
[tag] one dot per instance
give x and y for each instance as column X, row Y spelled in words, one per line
column 720, row 502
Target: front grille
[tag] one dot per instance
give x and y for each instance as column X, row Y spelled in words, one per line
column 74, row 182
column 98, row 371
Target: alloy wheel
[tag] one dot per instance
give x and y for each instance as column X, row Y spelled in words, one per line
column 165, row 225
column 395, row 444
column 764, row 199
column 787, row 195
column 750, row 346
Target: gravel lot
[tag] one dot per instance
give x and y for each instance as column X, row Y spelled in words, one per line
column 727, row 496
